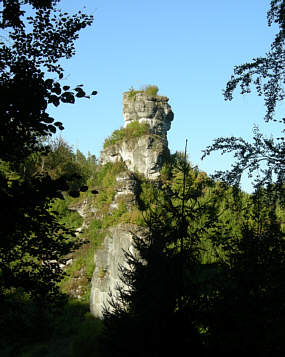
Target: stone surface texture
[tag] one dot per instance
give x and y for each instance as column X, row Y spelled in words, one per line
column 145, row 154
column 106, row 277
column 153, row 110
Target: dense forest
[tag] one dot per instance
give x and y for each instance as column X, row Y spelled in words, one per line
column 209, row 276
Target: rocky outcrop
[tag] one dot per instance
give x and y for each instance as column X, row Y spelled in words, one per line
column 127, row 188
column 85, row 210
column 143, row 155
column 154, row 110
column 106, row 277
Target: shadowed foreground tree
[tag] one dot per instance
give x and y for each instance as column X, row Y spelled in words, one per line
column 162, row 306
column 173, row 302
column 32, row 241
column 249, row 312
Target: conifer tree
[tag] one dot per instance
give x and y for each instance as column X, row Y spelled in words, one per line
column 160, row 308
column 248, row 314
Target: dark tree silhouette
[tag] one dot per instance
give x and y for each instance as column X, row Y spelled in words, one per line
column 161, row 306
column 248, row 312
column 266, row 73
column 32, row 242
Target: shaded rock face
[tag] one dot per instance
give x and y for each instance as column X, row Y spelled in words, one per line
column 127, row 188
column 106, row 277
column 145, row 154
column 126, row 185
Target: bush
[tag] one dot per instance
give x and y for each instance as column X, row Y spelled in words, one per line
column 136, row 130
column 151, row 90
column 132, row 130
column 69, row 218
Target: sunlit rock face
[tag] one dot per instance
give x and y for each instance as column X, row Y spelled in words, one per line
column 153, row 110
column 144, row 155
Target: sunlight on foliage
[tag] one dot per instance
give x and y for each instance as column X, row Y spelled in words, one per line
column 132, row 130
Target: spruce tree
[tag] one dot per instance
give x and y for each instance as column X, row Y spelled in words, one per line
column 248, row 314
column 161, row 308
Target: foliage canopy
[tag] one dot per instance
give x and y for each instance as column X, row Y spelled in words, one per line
column 33, row 242
column 132, row 130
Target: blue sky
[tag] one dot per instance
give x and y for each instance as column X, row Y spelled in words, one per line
column 188, row 48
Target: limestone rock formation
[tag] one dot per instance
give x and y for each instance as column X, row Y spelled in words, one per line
column 143, row 155
column 126, row 188
column 106, row 277
column 154, row 110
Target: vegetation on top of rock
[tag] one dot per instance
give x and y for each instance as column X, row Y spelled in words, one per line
column 132, row 130
column 149, row 89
